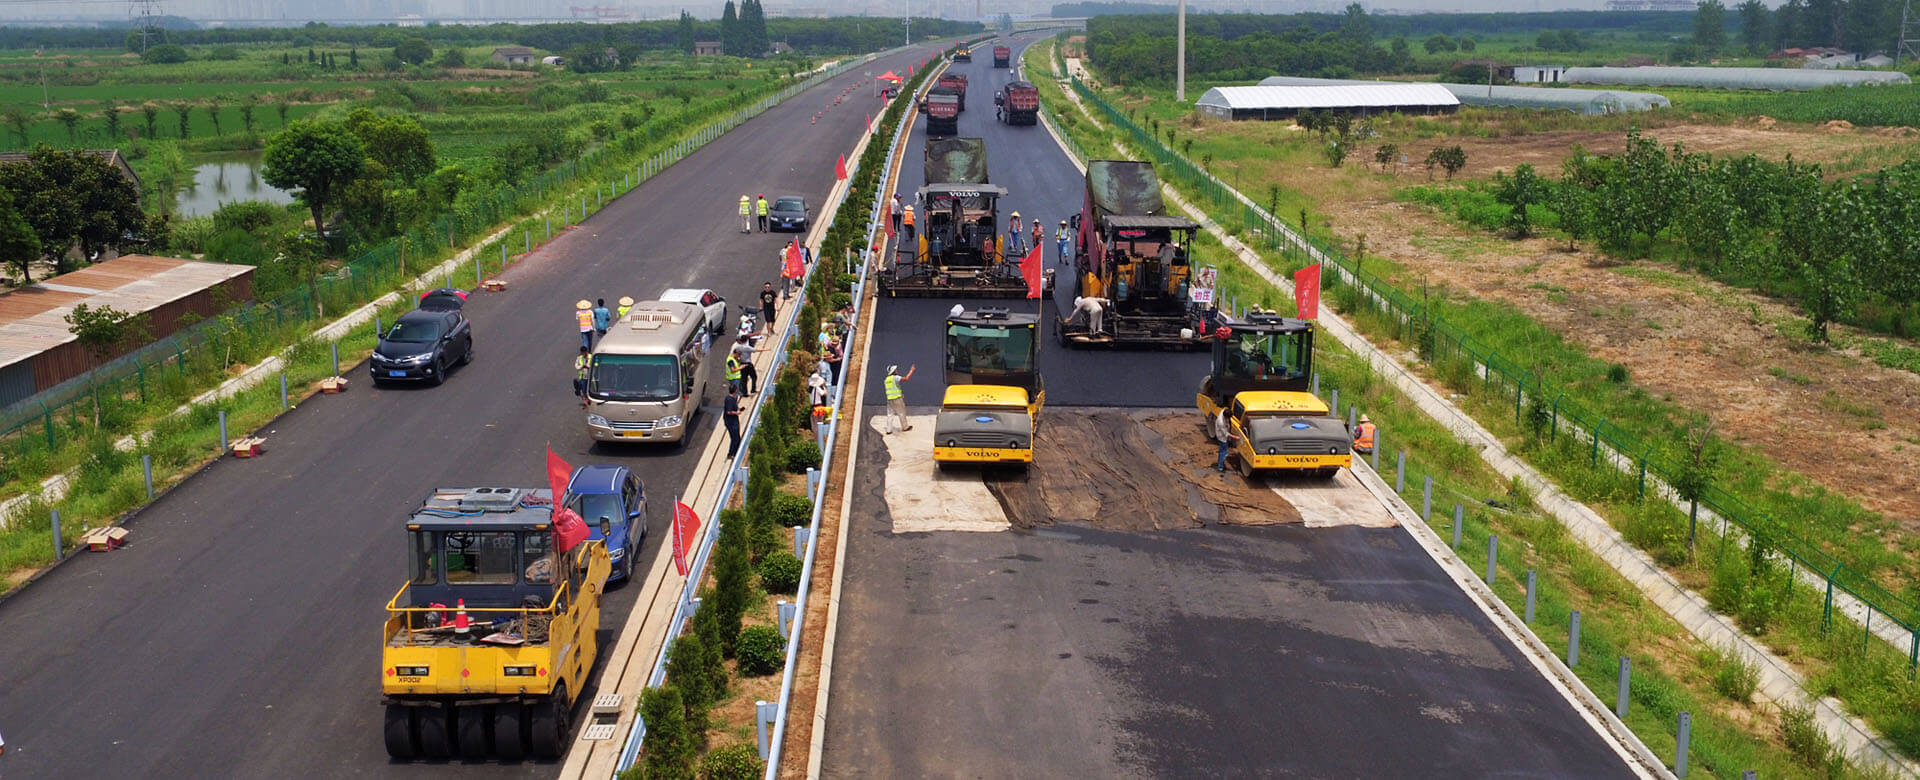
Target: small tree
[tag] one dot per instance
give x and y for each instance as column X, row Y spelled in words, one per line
column 1524, row 188
column 281, row 107
column 19, row 245
column 184, row 113
column 71, row 119
column 671, row 746
column 101, row 330
column 1385, row 154
column 455, row 57
column 688, row 670
column 111, row 114
column 1699, row 467
column 151, row 114
column 247, row 105
column 732, row 577
column 213, row 113
column 20, row 123
column 413, row 51
column 1832, row 291
column 1335, row 151
column 1450, row 158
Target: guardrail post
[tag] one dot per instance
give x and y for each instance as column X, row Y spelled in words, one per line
column 740, row 474
column 1375, row 454
column 549, row 219
column 146, row 469
column 336, row 353
column 223, row 429
column 526, row 241
column 1493, row 557
column 1573, row 640
column 1527, row 616
column 1459, row 521
column 448, row 284
column 566, row 216
column 784, row 611
column 377, row 328
column 283, row 390
column 1826, row 610
column 1400, row 474
column 1353, row 413
column 59, row 550
column 1680, row 746
column 1426, row 502
column 1335, row 402
column 763, row 713
column 1620, row 698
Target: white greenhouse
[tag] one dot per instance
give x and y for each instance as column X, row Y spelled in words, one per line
column 1793, row 79
column 1584, row 101
column 1284, row 102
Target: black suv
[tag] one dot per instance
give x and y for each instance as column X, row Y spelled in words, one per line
column 422, row 345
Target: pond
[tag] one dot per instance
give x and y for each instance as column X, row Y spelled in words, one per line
column 224, row 178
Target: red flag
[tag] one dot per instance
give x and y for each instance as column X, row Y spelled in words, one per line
column 568, row 529
column 840, row 169
column 794, row 268
column 1030, row 269
column 685, row 525
column 1306, row 291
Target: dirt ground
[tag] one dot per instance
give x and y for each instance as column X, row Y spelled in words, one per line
column 1832, row 415
column 1127, row 486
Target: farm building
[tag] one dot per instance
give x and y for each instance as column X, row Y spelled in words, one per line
column 1583, row 101
column 513, row 55
column 1538, row 74
column 1285, row 102
column 1790, row 79
column 37, row 349
column 706, row 48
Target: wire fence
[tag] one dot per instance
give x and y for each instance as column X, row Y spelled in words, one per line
column 121, row 394
column 1457, row 354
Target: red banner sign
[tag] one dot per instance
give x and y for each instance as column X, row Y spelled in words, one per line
column 1030, row 269
column 1306, row 291
column 686, row 525
column 568, row 529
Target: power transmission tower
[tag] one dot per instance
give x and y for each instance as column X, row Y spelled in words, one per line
column 1909, row 36
column 147, row 11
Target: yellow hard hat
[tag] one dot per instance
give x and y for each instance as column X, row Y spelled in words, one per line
column 583, row 304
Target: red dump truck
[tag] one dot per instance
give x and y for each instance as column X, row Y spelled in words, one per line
column 955, row 82
column 943, row 114
column 1002, row 56
column 1017, row 103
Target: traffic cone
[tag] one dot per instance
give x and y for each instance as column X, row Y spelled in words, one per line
column 460, row 631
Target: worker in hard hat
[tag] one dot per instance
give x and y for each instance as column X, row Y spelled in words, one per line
column 1363, row 436
column 1014, row 236
column 626, row 305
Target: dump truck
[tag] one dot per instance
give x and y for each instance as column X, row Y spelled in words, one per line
column 1017, row 103
column 956, row 249
column 952, row 84
column 1002, row 56
column 1261, row 375
column 963, row 54
column 1130, row 265
column 943, row 114
column 994, row 391
column 493, row 634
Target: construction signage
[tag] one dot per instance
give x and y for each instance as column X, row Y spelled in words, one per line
column 1201, row 291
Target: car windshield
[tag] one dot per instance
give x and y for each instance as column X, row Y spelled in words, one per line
column 790, row 204
column 414, row 330
column 635, row 378
column 592, row 508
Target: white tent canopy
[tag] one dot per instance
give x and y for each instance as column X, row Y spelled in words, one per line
column 1585, row 101
column 1284, row 101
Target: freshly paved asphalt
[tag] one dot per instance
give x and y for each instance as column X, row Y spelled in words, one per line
column 238, row 635
column 1238, row 652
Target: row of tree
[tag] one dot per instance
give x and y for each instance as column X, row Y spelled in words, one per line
column 743, row 34
column 1142, row 49
column 114, row 121
column 1779, row 226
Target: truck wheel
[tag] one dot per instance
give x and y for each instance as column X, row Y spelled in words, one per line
column 550, row 724
column 474, row 727
column 436, row 738
column 401, row 732
column 1246, row 468
column 509, row 732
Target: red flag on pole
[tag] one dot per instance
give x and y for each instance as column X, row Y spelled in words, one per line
column 794, row 269
column 686, row 525
column 568, row 529
column 1030, row 269
column 840, row 168
column 1306, row 291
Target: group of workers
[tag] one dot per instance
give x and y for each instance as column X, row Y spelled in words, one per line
column 753, row 211
column 594, row 320
column 1018, row 241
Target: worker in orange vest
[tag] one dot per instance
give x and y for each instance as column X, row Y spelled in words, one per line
column 583, row 314
column 1363, row 436
column 906, row 220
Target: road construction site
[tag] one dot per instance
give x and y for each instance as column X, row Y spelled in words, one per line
column 1121, row 609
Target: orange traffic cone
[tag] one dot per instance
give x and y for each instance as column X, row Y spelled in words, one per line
column 460, row 631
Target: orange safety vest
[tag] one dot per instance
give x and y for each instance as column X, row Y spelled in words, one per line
column 907, row 215
column 1363, row 438
column 585, row 316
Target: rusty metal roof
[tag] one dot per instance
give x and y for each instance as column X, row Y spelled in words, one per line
column 33, row 318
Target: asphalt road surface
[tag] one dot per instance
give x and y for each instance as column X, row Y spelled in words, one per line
column 238, row 635
column 1086, row 652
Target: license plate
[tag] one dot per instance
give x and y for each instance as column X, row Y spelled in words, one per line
column 635, row 434
column 396, row 373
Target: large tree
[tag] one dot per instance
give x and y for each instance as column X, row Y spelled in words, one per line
column 730, row 31
column 19, row 246
column 413, row 51
column 398, row 143
column 316, row 158
column 684, row 33
column 1756, row 25
column 67, row 196
column 1357, row 26
column 1710, row 26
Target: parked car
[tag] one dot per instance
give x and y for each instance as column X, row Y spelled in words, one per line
column 614, row 505
column 443, row 299
column 708, row 300
column 422, row 345
column 789, row 213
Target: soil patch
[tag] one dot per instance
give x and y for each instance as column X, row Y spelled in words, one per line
column 1138, row 470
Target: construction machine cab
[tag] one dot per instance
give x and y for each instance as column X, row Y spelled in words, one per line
column 992, row 346
column 1263, row 351
column 994, row 391
column 489, row 547
column 958, row 225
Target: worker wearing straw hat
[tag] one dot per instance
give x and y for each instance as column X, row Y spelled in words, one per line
column 583, row 314
column 626, row 305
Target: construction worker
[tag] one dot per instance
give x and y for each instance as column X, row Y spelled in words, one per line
column 580, row 364
column 1223, row 434
column 896, row 399
column 1014, row 235
column 602, row 317
column 746, row 214
column 761, row 209
column 743, row 351
column 1038, row 232
column 1363, row 436
column 906, row 217
column 1060, row 237
column 893, row 207
column 733, row 372
column 583, row 314
column 626, row 305
column 1096, row 309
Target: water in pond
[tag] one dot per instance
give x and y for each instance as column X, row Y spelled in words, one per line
column 222, row 179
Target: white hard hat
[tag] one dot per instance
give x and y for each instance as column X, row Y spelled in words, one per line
column 957, row 310
column 893, row 369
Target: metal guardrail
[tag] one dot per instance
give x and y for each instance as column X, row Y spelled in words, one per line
column 1441, row 341
column 736, row 477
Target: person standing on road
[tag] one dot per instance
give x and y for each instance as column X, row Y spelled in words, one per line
column 746, row 214
column 896, row 399
column 580, row 365
column 730, row 416
column 1225, row 436
column 1060, row 237
column 761, row 209
column 749, row 375
column 583, row 314
column 893, row 207
column 1014, row 235
column 1039, row 232
column 733, row 373
column 602, row 317
column 767, row 300
column 907, row 220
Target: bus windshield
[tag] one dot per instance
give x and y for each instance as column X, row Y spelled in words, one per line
column 634, row 378
column 989, row 350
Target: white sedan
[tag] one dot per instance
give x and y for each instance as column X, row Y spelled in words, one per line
column 708, row 300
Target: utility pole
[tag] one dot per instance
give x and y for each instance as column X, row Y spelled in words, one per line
column 909, row 23
column 1180, row 67
column 1909, row 48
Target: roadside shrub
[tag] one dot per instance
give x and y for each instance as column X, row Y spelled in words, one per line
column 166, row 53
column 763, row 538
column 1655, row 529
column 732, row 577
column 789, row 511
column 845, row 282
column 801, row 456
column 840, row 300
column 1732, row 676
column 246, row 215
column 670, row 747
column 780, row 573
column 688, row 670
column 761, row 651
column 1617, row 374
column 1803, row 736
column 1727, row 587
column 738, row 761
